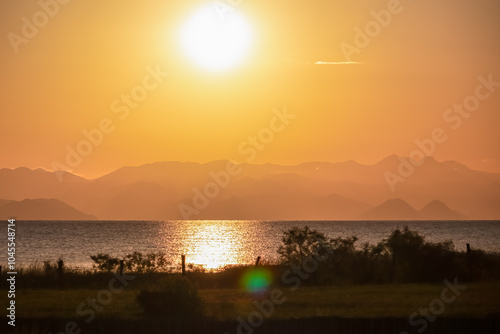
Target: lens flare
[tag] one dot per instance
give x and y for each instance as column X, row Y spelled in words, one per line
column 256, row 280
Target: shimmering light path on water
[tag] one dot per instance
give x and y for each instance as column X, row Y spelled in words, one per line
column 213, row 244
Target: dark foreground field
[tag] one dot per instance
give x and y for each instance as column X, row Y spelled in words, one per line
column 479, row 300
column 333, row 309
column 401, row 285
column 293, row 326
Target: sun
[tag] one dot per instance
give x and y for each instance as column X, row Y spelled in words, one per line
column 215, row 38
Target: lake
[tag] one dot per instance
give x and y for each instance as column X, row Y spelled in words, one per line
column 212, row 244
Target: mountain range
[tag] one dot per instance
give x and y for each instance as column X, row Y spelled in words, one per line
column 46, row 209
column 218, row 190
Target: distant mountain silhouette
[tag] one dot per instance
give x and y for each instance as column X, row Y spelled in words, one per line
column 437, row 210
column 20, row 183
column 394, row 209
column 312, row 190
column 40, row 209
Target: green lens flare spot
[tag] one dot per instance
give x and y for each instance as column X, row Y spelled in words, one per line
column 256, row 280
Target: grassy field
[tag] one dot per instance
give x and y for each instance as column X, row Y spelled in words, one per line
column 478, row 300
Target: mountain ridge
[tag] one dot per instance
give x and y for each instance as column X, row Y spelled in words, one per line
column 311, row 190
column 41, row 209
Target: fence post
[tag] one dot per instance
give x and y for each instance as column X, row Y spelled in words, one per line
column 257, row 261
column 183, row 258
column 121, row 267
column 469, row 262
column 60, row 270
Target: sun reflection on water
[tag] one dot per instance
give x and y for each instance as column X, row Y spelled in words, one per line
column 213, row 245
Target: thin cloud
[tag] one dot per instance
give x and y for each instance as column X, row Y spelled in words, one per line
column 307, row 62
column 336, row 62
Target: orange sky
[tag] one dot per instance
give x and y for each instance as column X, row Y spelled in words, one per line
column 66, row 77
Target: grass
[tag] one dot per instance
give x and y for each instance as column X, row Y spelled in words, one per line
column 478, row 301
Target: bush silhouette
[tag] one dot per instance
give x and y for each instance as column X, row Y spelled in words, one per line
column 298, row 244
column 105, row 262
column 134, row 262
column 403, row 257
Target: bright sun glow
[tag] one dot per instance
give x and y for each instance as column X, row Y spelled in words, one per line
column 216, row 40
column 212, row 245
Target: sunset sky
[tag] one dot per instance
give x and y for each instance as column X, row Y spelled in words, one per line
column 72, row 73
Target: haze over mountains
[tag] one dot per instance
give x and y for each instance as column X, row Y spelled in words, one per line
column 315, row 190
column 47, row 209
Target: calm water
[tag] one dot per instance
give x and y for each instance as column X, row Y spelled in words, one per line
column 212, row 243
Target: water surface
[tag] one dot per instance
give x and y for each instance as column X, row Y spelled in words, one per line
column 212, row 244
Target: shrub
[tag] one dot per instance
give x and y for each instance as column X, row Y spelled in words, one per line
column 299, row 244
column 149, row 263
column 404, row 257
column 49, row 268
column 105, row 262
column 135, row 262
